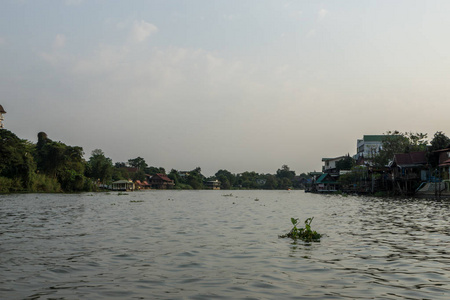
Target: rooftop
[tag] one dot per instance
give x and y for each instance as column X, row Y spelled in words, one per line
column 410, row 159
column 374, row 138
column 335, row 158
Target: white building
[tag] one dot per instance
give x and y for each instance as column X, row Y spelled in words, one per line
column 369, row 145
column 2, row 111
column 329, row 165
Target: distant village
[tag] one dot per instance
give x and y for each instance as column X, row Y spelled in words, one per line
column 421, row 169
column 391, row 164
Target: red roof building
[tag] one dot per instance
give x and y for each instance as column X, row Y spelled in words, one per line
column 161, row 181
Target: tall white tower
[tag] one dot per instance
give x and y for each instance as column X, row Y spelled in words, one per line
column 2, row 111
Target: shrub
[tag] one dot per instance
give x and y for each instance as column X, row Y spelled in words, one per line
column 45, row 184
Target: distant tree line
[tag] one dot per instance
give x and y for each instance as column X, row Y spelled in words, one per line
column 50, row 166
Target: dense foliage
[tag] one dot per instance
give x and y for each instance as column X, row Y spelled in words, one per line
column 396, row 142
column 45, row 167
column 99, row 167
column 50, row 166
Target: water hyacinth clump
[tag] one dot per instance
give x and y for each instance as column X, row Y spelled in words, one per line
column 305, row 234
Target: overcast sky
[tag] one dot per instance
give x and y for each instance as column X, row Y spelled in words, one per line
column 238, row 85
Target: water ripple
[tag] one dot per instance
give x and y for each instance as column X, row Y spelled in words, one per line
column 202, row 245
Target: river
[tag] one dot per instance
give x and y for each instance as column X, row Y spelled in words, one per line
column 221, row 245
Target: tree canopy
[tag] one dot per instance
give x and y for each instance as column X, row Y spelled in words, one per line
column 60, row 161
column 99, row 167
column 16, row 160
column 138, row 162
column 396, row 142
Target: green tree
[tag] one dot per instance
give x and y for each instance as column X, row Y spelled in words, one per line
column 174, row 176
column 195, row 179
column 357, row 176
column 99, row 167
column 65, row 163
column 248, row 180
column 396, row 142
column 226, row 178
column 16, row 160
column 284, row 183
column 346, row 163
column 120, row 165
column 139, row 175
column 271, row 182
column 119, row 173
column 285, row 172
column 155, row 170
column 138, row 162
column 439, row 141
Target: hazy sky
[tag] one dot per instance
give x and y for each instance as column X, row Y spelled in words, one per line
column 238, row 85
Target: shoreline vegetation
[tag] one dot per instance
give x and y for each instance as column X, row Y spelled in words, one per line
column 54, row 167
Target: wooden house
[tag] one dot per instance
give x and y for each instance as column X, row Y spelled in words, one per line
column 408, row 171
column 408, row 166
column 161, row 181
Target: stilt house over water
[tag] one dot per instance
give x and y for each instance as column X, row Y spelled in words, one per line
column 2, row 111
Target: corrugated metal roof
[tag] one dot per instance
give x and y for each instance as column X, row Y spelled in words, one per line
column 410, row 159
column 323, row 177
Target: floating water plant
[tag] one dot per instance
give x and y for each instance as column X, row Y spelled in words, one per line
column 305, row 234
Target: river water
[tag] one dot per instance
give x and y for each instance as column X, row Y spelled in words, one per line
column 221, row 245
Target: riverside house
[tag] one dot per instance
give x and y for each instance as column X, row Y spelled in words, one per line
column 409, row 166
column 326, row 184
column 161, row 181
column 213, row 185
column 122, row 185
column 329, row 165
column 444, row 163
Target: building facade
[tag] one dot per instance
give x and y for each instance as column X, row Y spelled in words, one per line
column 2, row 111
column 329, row 165
column 369, row 145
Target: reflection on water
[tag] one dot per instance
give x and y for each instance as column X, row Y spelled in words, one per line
column 210, row 244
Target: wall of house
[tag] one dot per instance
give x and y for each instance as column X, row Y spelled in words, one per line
column 444, row 156
column 330, row 164
column 367, row 148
